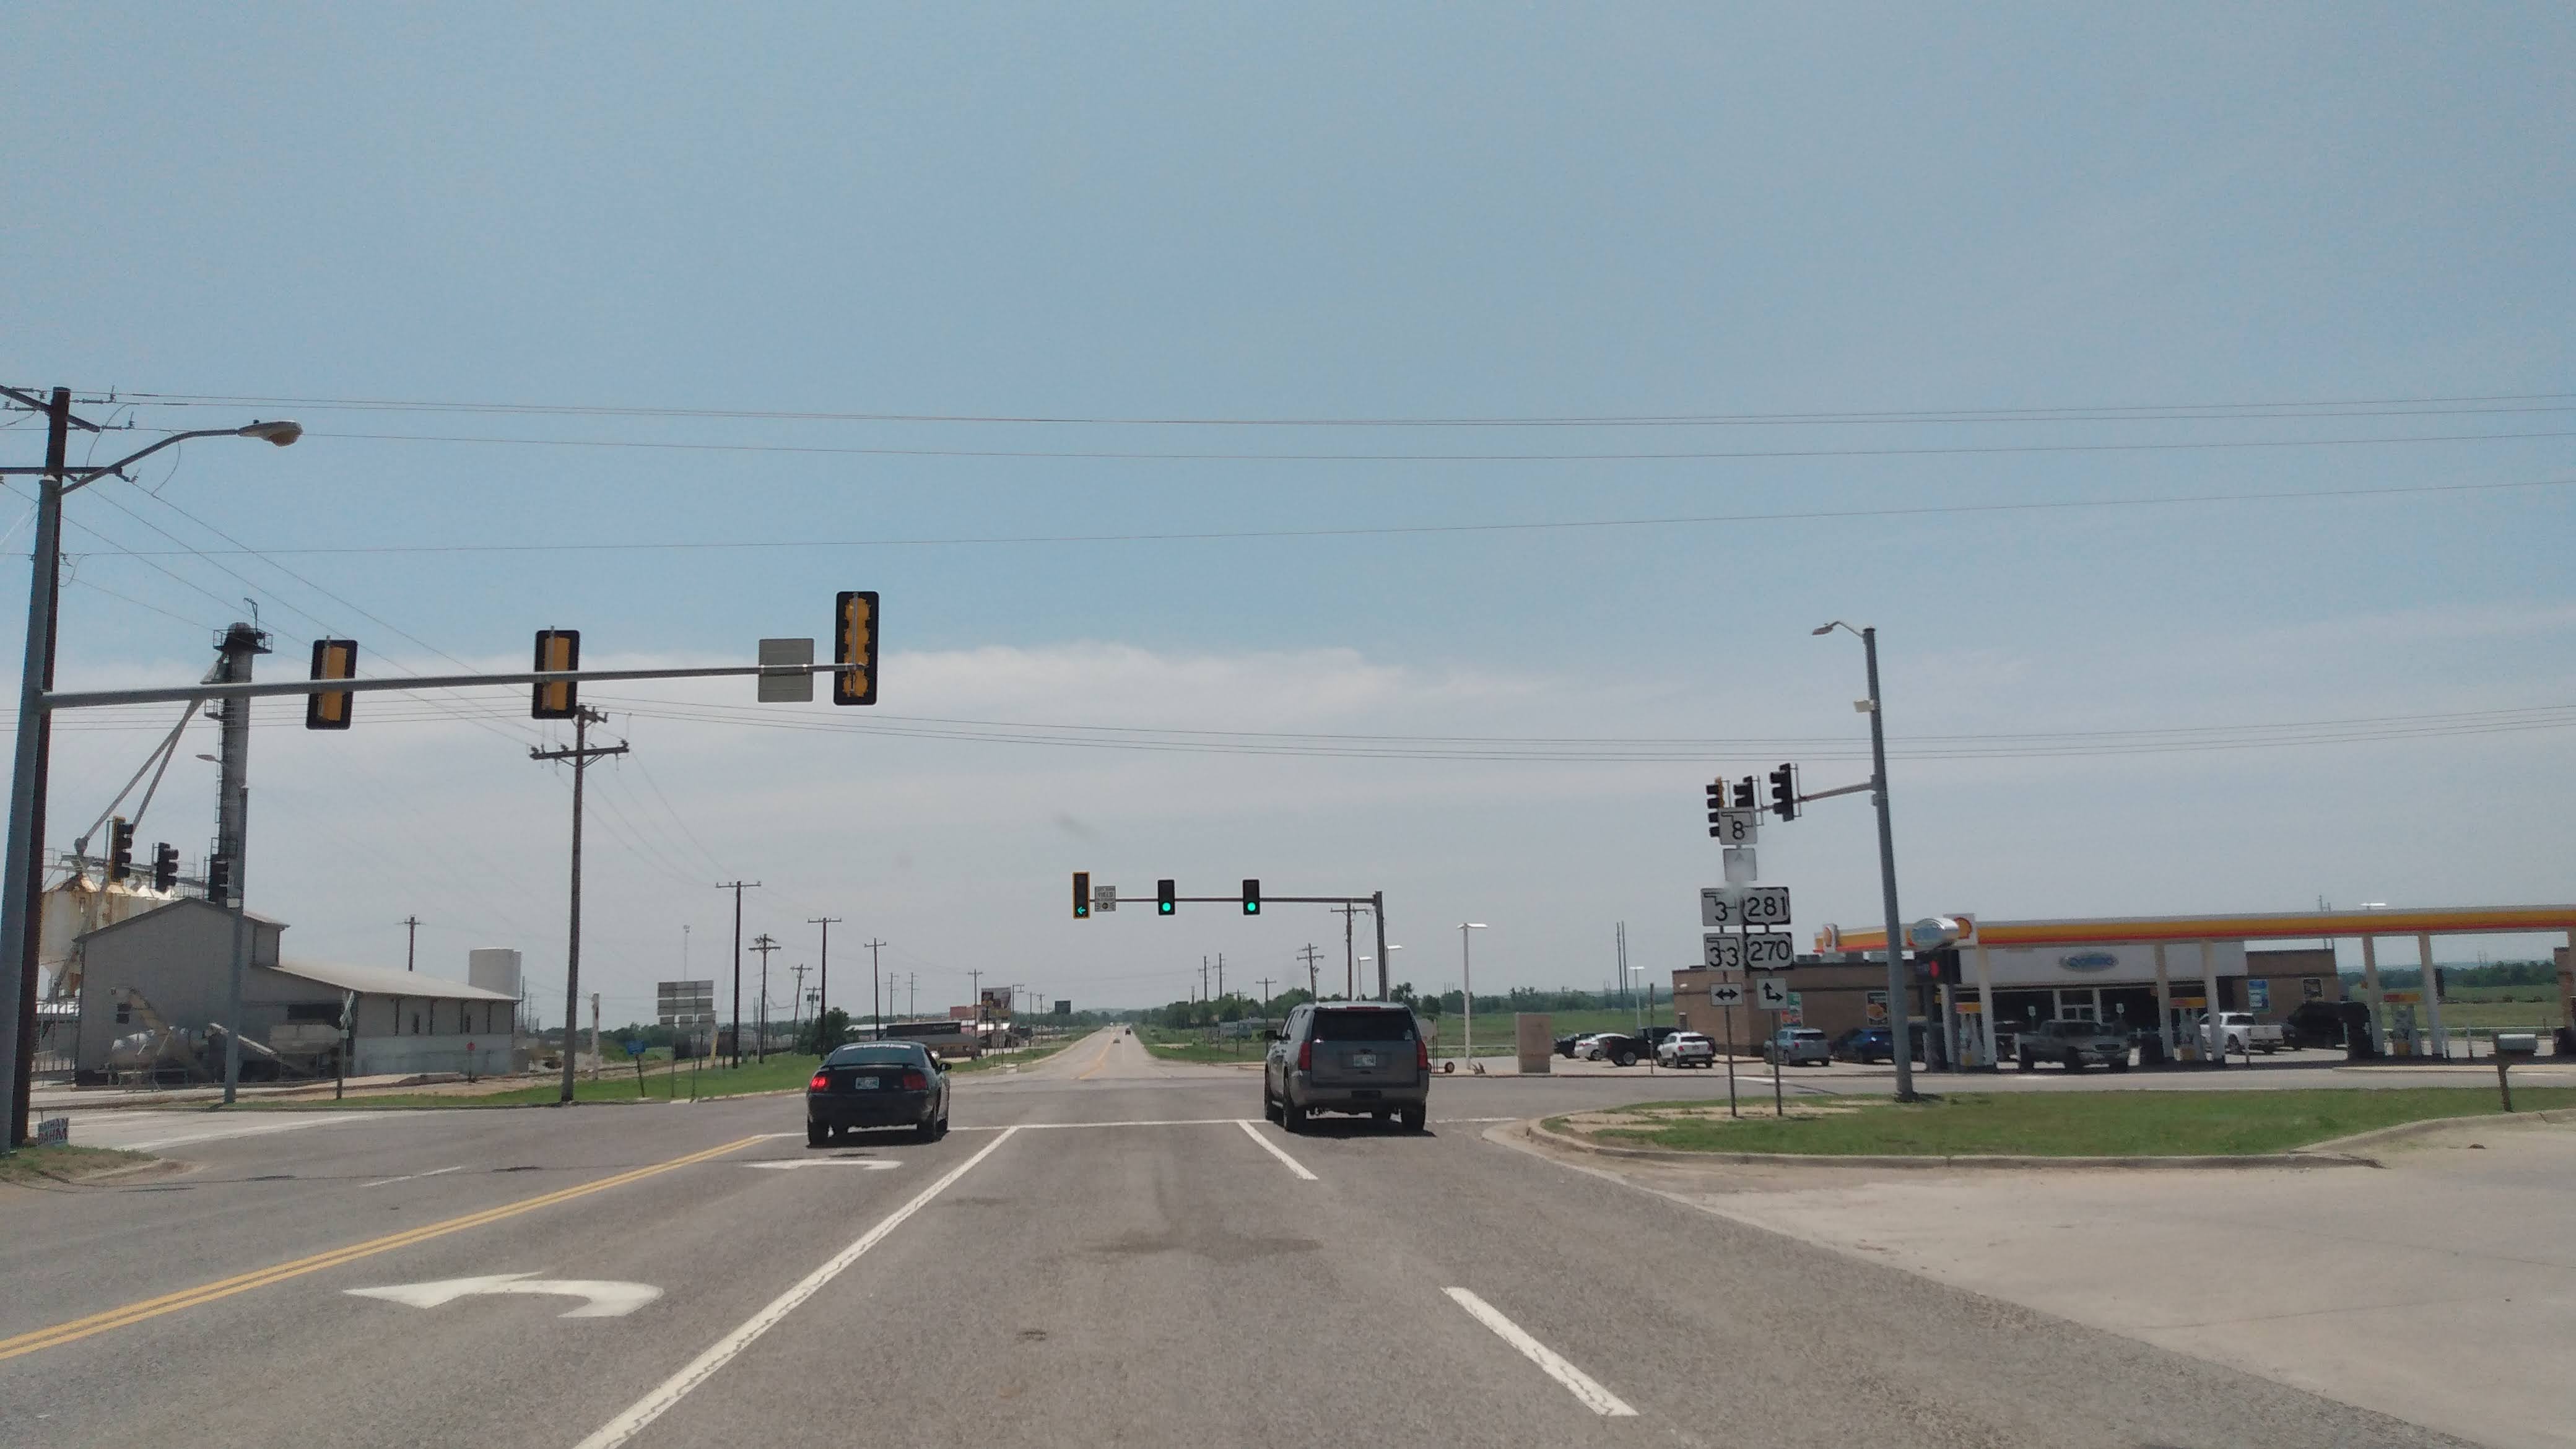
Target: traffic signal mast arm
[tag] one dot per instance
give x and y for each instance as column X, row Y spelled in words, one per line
column 258, row 689
column 1829, row 794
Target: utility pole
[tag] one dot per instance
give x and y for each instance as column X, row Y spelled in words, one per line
column 823, row 981
column 595, row 1052
column 1377, row 911
column 975, row 984
column 1203, row 981
column 764, row 946
column 581, row 754
column 241, row 644
column 876, row 1007
column 912, row 993
column 411, row 942
column 1308, row 956
column 1265, row 1000
column 1350, row 963
column 796, row 1003
column 1220, row 976
column 738, row 887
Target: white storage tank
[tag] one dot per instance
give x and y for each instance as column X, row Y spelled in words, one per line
column 494, row 968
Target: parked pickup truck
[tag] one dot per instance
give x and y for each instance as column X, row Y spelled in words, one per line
column 2245, row 1034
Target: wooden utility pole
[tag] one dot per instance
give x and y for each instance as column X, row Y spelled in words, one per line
column 823, row 981
column 796, row 1003
column 581, row 754
column 411, row 944
column 876, row 1006
column 1308, row 956
column 764, row 945
column 738, row 887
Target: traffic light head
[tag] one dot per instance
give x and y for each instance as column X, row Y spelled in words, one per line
column 1784, row 792
column 558, row 650
column 1716, row 802
column 1252, row 898
column 332, row 659
column 165, row 866
column 120, row 848
column 1744, row 793
column 219, row 881
column 1164, row 892
column 854, row 642
column 1082, row 895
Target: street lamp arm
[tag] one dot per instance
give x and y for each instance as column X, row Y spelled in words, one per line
column 280, row 433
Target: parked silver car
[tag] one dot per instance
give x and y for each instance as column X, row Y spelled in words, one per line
column 2071, row 1044
column 1791, row 1045
column 1348, row 1056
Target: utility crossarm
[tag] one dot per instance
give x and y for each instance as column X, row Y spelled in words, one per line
column 260, row 689
column 1829, row 794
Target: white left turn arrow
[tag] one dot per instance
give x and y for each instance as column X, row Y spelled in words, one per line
column 606, row 1297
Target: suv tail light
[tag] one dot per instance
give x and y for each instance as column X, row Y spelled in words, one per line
column 1306, row 1055
column 1421, row 1054
column 822, row 1082
column 914, row 1081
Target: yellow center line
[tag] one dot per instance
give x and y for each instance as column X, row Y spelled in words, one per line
column 101, row 1322
column 1103, row 1060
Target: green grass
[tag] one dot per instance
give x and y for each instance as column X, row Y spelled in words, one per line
column 1190, row 1046
column 2061, row 1124
column 1017, row 1057
column 30, row 1166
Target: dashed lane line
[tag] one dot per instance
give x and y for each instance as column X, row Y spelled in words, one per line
column 1582, row 1385
column 1274, row 1150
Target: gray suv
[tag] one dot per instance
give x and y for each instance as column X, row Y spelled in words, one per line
column 1348, row 1056
column 2072, row 1044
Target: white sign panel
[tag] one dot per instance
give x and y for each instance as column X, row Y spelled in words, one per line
column 1771, row 993
column 1770, row 950
column 1726, row 993
column 792, row 681
column 1736, row 827
column 1725, row 950
column 1104, row 899
column 1744, row 905
column 1740, row 866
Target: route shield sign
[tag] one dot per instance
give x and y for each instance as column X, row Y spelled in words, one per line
column 1733, row 906
column 1770, row 950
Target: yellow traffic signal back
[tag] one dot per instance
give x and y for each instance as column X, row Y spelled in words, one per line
column 329, row 709
column 558, row 650
column 854, row 642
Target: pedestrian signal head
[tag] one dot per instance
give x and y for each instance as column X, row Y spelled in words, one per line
column 558, row 651
column 854, row 643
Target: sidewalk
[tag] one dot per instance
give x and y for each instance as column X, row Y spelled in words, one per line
column 2441, row 1290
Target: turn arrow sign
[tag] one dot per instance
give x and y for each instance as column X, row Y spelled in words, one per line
column 607, row 1298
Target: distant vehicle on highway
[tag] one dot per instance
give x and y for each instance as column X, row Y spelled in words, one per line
column 1361, row 1057
column 877, row 1084
column 2071, row 1044
column 1791, row 1045
column 1686, row 1049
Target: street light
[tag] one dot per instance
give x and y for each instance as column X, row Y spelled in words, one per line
column 22, row 869
column 1900, row 1027
column 1467, row 972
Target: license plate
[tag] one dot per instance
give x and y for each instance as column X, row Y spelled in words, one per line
column 1363, row 1059
column 863, row 1084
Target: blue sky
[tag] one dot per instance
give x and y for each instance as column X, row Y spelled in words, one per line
column 1755, row 219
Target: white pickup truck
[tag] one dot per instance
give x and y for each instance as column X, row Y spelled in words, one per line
column 2245, row 1035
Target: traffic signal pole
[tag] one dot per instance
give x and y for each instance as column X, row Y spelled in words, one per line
column 1899, row 999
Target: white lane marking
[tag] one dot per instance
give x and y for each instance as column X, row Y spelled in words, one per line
column 607, row 1297
column 1596, row 1398
column 873, row 1164
column 409, row 1176
column 1453, row 1121
column 1167, row 1122
column 235, row 1129
column 1272, row 1148
column 698, row 1370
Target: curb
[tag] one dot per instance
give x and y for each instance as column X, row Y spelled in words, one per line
column 2404, row 1130
column 1539, row 1130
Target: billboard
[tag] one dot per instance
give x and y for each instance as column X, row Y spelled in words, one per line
column 1063, row 1007
column 996, row 1002
column 684, row 1004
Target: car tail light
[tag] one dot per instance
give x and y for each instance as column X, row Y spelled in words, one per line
column 822, row 1082
column 1306, row 1056
column 1422, row 1054
column 914, row 1081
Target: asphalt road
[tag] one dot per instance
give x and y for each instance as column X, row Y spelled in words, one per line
column 1107, row 1249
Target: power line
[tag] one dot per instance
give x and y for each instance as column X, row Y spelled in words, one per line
column 1804, row 515
column 2075, row 413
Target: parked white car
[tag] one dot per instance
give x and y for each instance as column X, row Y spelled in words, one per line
column 1686, row 1049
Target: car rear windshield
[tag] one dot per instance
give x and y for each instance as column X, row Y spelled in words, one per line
column 1363, row 1026
column 872, row 1055
column 1807, row 1033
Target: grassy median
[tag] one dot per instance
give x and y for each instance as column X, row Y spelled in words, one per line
column 2046, row 1124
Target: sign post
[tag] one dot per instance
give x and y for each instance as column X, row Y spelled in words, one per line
column 1726, row 996
column 1771, row 993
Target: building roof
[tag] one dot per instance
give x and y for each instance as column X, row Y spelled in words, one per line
column 182, row 902
column 383, row 981
column 2265, row 926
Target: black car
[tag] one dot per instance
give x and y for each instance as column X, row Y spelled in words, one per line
column 1565, row 1044
column 877, row 1084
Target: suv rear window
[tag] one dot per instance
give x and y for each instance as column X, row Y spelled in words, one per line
column 1363, row 1026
